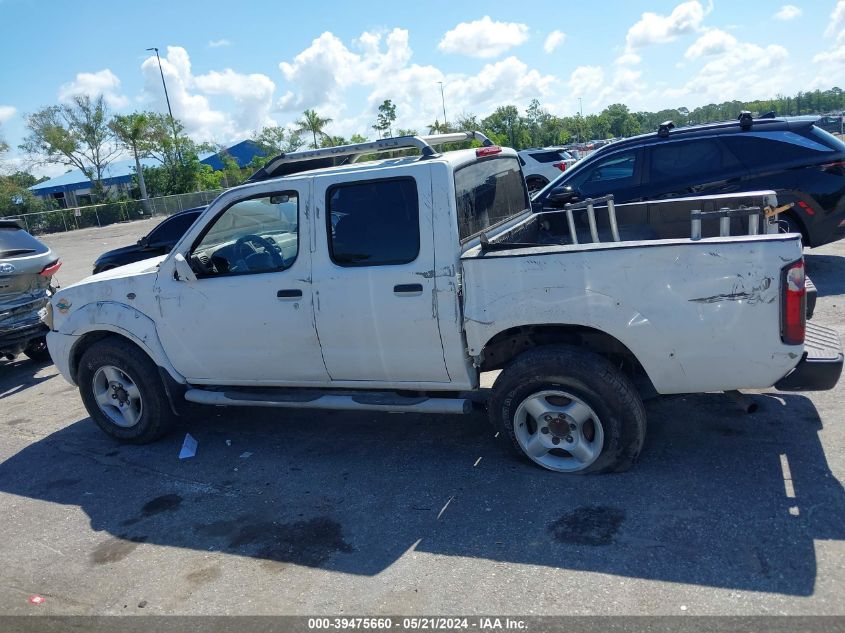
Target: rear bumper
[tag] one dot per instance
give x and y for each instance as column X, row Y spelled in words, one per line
column 820, row 367
column 13, row 340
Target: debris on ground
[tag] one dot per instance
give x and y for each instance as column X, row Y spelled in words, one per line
column 189, row 447
column 36, row 599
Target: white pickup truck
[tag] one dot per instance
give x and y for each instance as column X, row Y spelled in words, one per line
column 391, row 285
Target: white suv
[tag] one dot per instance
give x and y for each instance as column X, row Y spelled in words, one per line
column 541, row 166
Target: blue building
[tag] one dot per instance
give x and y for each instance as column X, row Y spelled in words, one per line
column 73, row 189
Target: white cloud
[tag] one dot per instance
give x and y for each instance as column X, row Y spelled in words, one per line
column 836, row 26
column 713, row 42
column 325, row 75
column 483, row 38
column 252, row 93
column 103, row 82
column 586, row 79
column 662, row 29
column 219, row 43
column 553, row 40
column 787, row 12
column 628, row 59
column 7, row 112
column 734, row 69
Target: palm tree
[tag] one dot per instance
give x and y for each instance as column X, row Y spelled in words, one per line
column 134, row 131
column 314, row 123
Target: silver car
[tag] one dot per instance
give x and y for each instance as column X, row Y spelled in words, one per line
column 26, row 268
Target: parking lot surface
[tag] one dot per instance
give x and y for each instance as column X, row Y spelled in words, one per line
column 301, row 512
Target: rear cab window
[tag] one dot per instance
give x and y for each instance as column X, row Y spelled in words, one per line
column 488, row 192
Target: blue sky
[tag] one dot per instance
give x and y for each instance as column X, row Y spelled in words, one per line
column 232, row 67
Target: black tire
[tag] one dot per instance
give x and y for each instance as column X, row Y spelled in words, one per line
column 590, row 378
column 156, row 418
column 37, row 350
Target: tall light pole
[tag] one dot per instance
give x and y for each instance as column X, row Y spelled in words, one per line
column 580, row 106
column 443, row 101
column 167, row 99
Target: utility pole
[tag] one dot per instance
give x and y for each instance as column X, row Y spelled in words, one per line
column 580, row 107
column 443, row 101
column 169, row 111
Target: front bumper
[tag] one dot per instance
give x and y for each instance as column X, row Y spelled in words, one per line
column 820, row 367
column 61, row 346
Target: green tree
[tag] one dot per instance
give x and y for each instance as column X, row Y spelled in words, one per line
column 385, row 119
column 275, row 140
column 76, row 134
column 136, row 133
column 314, row 123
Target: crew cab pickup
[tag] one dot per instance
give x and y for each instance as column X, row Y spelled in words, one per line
column 391, row 285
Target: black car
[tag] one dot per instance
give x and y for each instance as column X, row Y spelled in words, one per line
column 792, row 156
column 157, row 242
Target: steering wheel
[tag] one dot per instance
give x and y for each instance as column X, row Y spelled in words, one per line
column 275, row 256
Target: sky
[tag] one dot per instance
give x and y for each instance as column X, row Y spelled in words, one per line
column 234, row 67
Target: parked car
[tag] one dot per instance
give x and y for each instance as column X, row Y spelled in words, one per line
column 801, row 162
column 26, row 268
column 541, row 166
column 434, row 271
column 157, row 242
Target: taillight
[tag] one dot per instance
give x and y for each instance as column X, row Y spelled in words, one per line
column 793, row 321
column 488, row 151
column 50, row 269
column 561, row 165
column 806, row 208
column 836, row 167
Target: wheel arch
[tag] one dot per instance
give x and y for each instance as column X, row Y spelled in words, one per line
column 508, row 344
column 96, row 321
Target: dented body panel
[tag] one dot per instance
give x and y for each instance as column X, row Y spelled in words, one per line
column 698, row 315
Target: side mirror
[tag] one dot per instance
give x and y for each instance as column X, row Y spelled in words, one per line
column 562, row 195
column 182, row 270
column 143, row 241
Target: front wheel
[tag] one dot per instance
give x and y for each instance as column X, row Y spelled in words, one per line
column 569, row 410
column 122, row 391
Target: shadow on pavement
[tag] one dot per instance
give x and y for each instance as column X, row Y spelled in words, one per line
column 707, row 504
column 826, row 273
column 20, row 373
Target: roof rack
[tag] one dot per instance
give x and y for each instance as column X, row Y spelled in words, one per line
column 296, row 162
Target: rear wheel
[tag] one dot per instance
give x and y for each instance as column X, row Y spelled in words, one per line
column 122, row 391
column 569, row 410
column 37, row 350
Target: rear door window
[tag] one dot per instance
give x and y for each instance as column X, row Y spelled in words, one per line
column 487, row 192
column 374, row 223
column 689, row 161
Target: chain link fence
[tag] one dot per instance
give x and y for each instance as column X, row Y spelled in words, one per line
column 61, row 220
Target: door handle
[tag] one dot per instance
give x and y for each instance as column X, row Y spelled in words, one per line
column 291, row 293
column 408, row 289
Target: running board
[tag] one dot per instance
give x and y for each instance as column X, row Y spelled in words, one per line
column 309, row 400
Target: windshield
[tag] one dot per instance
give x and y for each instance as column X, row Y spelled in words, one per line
column 487, row 192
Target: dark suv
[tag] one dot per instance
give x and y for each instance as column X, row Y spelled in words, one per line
column 792, row 156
